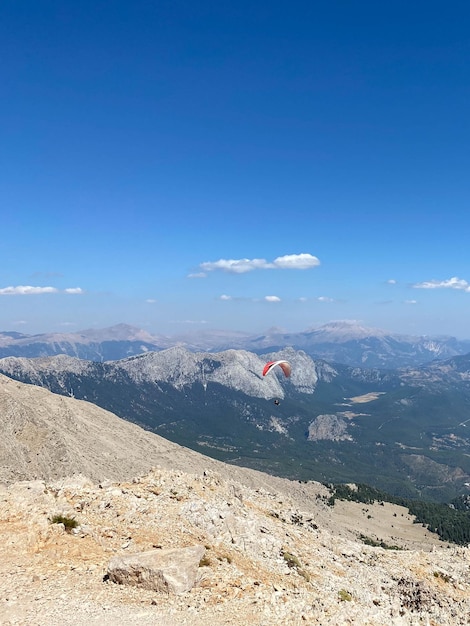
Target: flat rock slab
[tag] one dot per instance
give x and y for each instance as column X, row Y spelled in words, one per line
column 163, row 571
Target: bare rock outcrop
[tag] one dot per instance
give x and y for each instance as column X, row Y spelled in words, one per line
column 267, row 561
column 163, row 571
column 330, row 427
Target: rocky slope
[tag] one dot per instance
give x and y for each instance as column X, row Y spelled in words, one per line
column 275, row 553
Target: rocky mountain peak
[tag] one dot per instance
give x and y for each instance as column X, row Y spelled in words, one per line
column 345, row 330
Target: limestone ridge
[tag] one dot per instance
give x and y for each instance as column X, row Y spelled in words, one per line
column 235, row 369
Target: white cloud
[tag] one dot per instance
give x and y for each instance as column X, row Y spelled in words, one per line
column 325, row 299
column 227, row 298
column 28, row 290
column 411, row 302
column 235, row 266
column 73, row 290
column 241, row 266
column 392, row 281
column 296, row 262
column 25, row 290
column 150, row 301
column 450, row 283
column 198, row 275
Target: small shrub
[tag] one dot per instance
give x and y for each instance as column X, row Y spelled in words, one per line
column 69, row 522
column 296, row 518
column 291, row 560
column 205, row 562
column 344, row 595
column 368, row 541
column 304, row 574
column 225, row 557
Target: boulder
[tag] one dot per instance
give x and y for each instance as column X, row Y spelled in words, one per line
column 164, row 571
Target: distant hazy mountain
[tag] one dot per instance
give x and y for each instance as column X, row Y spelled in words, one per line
column 352, row 344
column 405, row 431
column 105, row 344
column 337, row 342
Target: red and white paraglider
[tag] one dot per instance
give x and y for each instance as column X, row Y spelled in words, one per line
column 285, row 367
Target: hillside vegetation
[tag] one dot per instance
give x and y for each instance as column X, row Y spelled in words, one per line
column 446, row 520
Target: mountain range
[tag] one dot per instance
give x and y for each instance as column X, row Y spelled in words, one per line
column 340, row 342
column 404, row 431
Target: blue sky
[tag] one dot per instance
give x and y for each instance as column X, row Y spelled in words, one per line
column 182, row 165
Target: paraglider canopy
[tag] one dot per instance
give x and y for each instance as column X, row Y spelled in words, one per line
column 284, row 365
